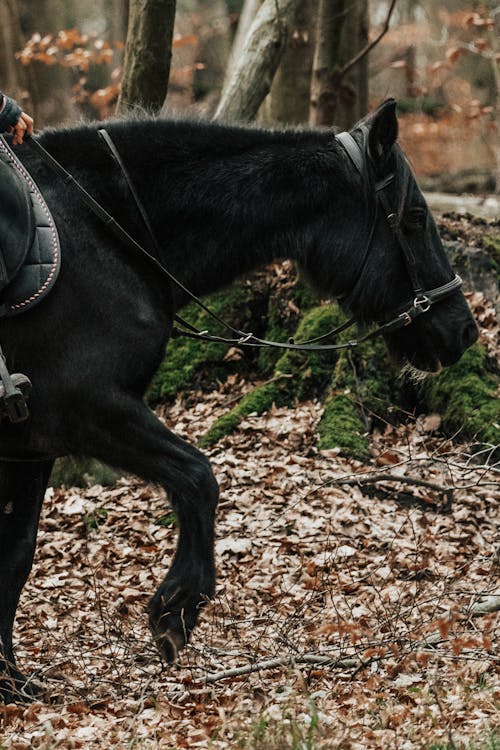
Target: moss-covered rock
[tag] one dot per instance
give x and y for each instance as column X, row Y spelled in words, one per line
column 287, row 303
column 74, row 471
column 361, row 392
column 356, row 383
column 277, row 330
column 297, row 375
column 467, row 396
column 341, row 426
column 359, row 386
column 312, row 371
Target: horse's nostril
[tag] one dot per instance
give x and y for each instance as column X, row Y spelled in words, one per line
column 469, row 334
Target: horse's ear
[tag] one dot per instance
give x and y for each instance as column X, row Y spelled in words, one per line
column 383, row 129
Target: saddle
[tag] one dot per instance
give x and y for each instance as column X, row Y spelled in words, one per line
column 29, row 263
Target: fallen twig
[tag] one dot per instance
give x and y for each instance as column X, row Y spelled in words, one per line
column 282, row 661
column 486, row 607
column 491, row 604
column 447, row 723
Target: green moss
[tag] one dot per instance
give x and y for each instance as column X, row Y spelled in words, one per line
column 370, row 378
column 350, row 377
column 493, row 241
column 256, row 402
column 361, row 389
column 168, row 521
column 275, row 331
column 223, row 426
column 186, row 357
column 279, row 320
column 297, row 376
column 312, row 371
column 492, row 244
column 342, row 427
column 74, row 471
column 466, row 396
column 303, row 296
column 95, row 518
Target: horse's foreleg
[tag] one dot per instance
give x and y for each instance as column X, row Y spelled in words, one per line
column 190, row 582
column 22, row 488
column 139, row 443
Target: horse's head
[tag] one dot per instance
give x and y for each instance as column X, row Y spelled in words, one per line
column 393, row 269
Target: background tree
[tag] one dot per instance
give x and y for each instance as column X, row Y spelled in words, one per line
column 148, row 54
column 339, row 86
column 11, row 39
column 254, row 70
column 48, row 85
column 212, row 29
column 246, row 17
column 288, row 100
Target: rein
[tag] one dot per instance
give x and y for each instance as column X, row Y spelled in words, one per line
column 421, row 303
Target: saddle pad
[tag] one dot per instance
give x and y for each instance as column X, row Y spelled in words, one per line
column 40, row 267
column 16, row 221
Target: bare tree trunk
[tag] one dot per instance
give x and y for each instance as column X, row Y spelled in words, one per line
column 326, row 69
column 247, row 15
column 352, row 101
column 117, row 18
column 338, row 97
column 288, row 100
column 494, row 36
column 254, row 70
column 148, row 53
column 212, row 52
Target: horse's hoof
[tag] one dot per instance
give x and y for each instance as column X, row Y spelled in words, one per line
column 169, row 644
column 173, row 612
column 170, row 628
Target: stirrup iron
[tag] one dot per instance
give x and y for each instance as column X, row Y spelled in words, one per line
column 14, row 391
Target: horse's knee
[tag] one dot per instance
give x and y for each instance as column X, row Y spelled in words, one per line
column 208, row 481
column 200, row 484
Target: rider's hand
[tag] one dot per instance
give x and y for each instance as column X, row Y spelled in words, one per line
column 22, row 127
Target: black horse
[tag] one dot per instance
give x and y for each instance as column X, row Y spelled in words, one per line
column 221, row 200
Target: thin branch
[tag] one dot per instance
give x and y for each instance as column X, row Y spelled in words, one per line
column 368, row 47
column 282, row 661
column 451, row 742
column 492, row 604
column 486, row 607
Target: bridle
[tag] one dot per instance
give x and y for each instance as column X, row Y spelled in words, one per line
column 423, row 299
column 421, row 302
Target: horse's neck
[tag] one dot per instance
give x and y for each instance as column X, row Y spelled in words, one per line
column 221, row 212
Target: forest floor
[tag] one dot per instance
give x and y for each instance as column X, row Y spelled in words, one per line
column 362, row 588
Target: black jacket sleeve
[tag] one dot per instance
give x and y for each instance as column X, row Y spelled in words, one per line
column 10, row 112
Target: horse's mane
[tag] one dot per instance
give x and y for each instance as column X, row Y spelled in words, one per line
column 201, row 136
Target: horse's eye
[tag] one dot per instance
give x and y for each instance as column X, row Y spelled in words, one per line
column 415, row 219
